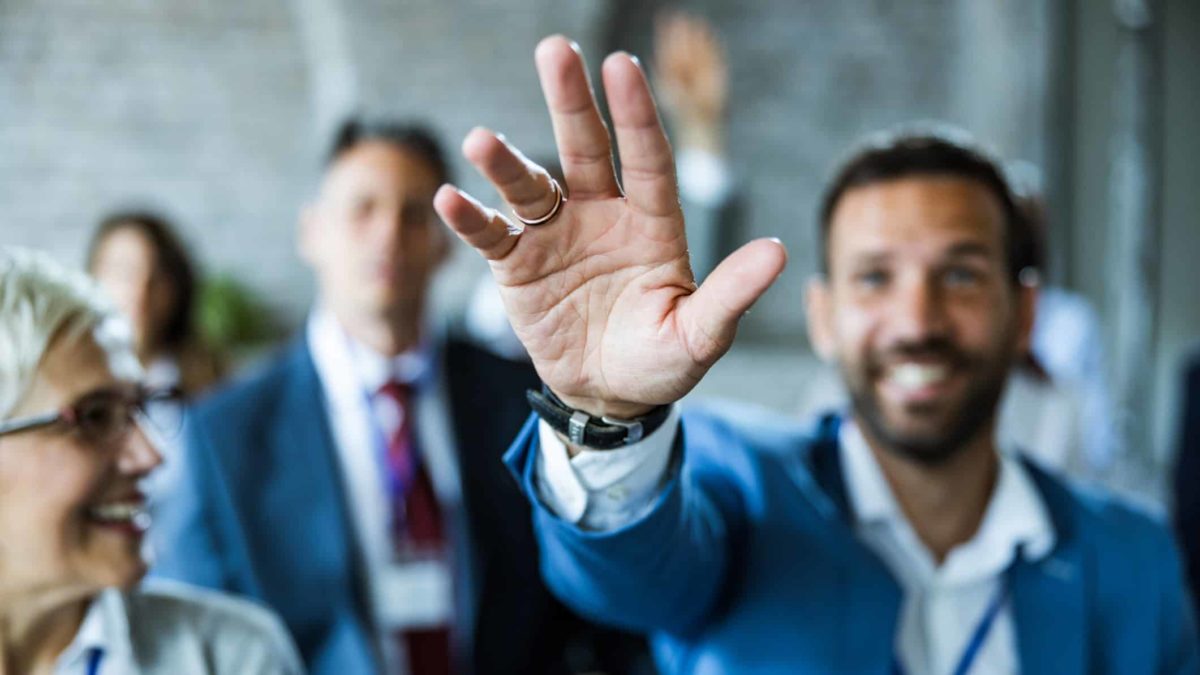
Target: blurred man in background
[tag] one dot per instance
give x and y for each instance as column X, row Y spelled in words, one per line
column 1186, row 481
column 896, row 539
column 354, row 484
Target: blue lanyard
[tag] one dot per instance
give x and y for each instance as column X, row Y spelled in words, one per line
column 978, row 637
column 397, row 488
column 93, row 661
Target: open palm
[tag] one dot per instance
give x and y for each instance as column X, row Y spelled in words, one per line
column 603, row 296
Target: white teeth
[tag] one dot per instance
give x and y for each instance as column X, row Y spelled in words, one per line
column 917, row 375
column 120, row 512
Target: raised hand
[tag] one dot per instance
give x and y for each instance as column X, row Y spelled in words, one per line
column 692, row 78
column 602, row 296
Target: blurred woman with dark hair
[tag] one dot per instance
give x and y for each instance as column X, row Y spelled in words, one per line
column 141, row 263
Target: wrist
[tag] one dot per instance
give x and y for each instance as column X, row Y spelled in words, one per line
column 606, row 431
column 600, row 408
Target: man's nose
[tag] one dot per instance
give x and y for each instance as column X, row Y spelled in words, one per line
column 388, row 229
column 918, row 311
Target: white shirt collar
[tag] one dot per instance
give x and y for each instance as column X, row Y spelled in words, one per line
column 105, row 627
column 1016, row 516
column 370, row 369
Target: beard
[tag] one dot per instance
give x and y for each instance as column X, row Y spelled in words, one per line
column 939, row 430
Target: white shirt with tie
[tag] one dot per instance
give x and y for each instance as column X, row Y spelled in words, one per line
column 943, row 604
column 403, row 596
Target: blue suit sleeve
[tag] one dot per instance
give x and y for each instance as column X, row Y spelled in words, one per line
column 185, row 543
column 664, row 572
column 1180, row 649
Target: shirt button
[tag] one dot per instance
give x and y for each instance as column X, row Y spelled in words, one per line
column 617, row 492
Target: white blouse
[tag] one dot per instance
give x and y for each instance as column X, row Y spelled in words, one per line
column 165, row 627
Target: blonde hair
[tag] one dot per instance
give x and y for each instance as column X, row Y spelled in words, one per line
column 42, row 301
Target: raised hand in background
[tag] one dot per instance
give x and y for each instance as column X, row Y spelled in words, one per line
column 692, row 78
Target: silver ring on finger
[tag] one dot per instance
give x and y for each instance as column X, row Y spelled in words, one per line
column 558, row 202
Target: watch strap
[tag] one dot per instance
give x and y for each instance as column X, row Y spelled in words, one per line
column 600, row 433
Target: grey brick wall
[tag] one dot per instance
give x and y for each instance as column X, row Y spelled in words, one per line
column 214, row 111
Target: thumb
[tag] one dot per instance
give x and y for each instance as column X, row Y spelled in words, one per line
column 709, row 317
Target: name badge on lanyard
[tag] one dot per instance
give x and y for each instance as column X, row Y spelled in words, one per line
column 415, row 589
column 415, row 594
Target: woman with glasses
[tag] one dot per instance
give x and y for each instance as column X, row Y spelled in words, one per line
column 72, row 517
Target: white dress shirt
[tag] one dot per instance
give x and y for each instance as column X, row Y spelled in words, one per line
column 351, row 375
column 167, row 628
column 943, row 604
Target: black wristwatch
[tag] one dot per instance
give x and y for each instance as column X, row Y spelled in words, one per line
column 603, row 433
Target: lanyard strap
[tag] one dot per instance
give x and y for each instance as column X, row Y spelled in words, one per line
column 398, row 485
column 95, row 655
column 978, row 636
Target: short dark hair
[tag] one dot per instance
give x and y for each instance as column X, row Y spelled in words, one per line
column 415, row 138
column 926, row 154
column 172, row 260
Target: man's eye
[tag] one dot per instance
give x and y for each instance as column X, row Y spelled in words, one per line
column 417, row 214
column 871, row 279
column 961, row 276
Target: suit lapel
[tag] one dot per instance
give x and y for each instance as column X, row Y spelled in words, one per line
column 865, row 622
column 1049, row 596
column 306, row 441
column 1050, row 615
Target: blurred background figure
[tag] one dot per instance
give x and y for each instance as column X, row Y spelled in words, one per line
column 72, row 453
column 1187, row 474
column 143, row 265
column 693, row 80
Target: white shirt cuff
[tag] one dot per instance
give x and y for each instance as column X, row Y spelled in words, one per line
column 704, row 178
column 604, row 490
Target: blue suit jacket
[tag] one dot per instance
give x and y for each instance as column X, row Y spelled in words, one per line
column 748, row 563
column 260, row 512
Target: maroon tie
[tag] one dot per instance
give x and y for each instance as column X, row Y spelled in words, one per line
column 417, row 527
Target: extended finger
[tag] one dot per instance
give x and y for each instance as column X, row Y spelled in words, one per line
column 485, row 229
column 526, row 186
column 709, row 317
column 647, row 166
column 583, row 144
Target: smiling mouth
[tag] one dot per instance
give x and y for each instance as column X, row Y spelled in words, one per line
column 126, row 515
column 916, row 376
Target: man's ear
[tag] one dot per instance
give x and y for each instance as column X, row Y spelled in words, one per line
column 443, row 246
column 818, row 310
column 306, row 233
column 1027, row 291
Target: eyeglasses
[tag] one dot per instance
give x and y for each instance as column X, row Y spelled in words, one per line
column 105, row 416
